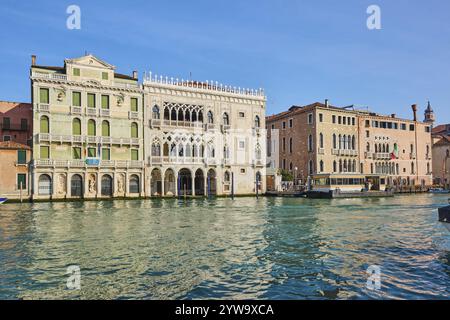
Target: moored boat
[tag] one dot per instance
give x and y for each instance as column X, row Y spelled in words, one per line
column 3, row 200
column 438, row 190
column 444, row 216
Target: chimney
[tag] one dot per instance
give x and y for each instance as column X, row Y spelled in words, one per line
column 135, row 75
column 33, row 60
column 414, row 109
column 327, row 104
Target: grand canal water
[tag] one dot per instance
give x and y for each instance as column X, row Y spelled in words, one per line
column 243, row 249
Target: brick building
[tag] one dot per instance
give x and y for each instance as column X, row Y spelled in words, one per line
column 16, row 122
column 324, row 139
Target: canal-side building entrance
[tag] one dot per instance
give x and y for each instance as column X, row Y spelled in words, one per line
column 185, row 182
column 76, row 186
column 107, row 186
column 199, row 183
column 212, row 182
column 45, row 185
column 156, row 183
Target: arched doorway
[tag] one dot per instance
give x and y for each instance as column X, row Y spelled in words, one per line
column 107, row 186
column 76, row 186
column 185, row 182
column 45, row 185
column 212, row 182
column 134, row 184
column 169, row 183
column 199, row 183
column 156, row 183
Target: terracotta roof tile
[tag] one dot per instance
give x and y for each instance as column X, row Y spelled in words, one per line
column 13, row 145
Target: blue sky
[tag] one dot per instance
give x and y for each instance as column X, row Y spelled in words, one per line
column 299, row 51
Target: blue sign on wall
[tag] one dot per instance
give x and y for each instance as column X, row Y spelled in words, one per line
column 92, row 162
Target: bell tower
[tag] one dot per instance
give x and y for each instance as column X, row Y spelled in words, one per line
column 429, row 115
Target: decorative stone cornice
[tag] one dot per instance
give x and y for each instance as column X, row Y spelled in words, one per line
column 92, row 84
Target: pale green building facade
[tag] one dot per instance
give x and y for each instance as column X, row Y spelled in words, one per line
column 88, row 131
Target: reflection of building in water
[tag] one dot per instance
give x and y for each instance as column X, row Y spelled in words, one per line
column 156, row 250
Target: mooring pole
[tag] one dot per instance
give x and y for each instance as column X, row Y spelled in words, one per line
column 209, row 187
column 20, row 191
column 232, row 185
column 256, row 183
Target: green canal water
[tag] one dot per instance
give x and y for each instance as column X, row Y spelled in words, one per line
column 271, row 248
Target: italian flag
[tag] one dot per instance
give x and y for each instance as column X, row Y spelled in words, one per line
column 394, row 154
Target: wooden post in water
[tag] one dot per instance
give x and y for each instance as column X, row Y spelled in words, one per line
column 209, row 186
column 20, row 191
column 232, row 185
column 185, row 191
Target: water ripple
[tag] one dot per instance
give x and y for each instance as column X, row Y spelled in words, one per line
column 223, row 249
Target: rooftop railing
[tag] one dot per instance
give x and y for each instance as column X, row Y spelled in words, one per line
column 63, row 77
column 207, row 85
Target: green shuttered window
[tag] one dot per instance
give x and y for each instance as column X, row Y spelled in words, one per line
column 21, row 181
column 134, row 154
column 76, row 127
column 105, row 75
column 45, row 152
column 76, row 72
column 44, row 123
column 91, row 128
column 106, row 154
column 76, row 99
column 105, row 102
column 92, row 152
column 91, row 100
column 134, row 130
column 21, row 157
column 44, row 96
column 134, row 104
column 105, row 128
column 76, row 153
